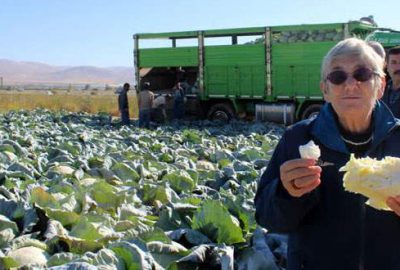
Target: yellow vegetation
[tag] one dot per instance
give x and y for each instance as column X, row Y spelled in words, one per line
column 73, row 101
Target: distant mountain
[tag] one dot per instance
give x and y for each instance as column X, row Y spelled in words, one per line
column 14, row 72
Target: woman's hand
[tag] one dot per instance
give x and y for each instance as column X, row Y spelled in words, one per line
column 300, row 176
column 394, row 204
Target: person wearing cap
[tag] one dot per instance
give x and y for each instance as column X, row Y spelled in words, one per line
column 179, row 101
column 181, row 78
column 392, row 92
column 145, row 101
column 328, row 227
column 123, row 104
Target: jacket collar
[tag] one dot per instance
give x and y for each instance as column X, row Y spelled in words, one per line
column 326, row 131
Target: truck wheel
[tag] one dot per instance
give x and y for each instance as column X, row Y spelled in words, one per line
column 221, row 111
column 311, row 111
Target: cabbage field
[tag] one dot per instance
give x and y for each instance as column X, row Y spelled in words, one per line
column 78, row 191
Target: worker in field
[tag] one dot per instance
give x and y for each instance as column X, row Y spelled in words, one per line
column 329, row 228
column 392, row 91
column 181, row 78
column 123, row 104
column 179, row 102
column 145, row 101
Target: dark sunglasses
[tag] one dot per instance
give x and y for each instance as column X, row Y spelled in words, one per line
column 361, row 75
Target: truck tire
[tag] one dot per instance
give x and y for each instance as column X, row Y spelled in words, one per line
column 221, row 111
column 311, row 111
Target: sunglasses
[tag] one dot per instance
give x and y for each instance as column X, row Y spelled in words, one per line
column 361, row 75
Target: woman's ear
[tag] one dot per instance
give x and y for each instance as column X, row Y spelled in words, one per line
column 382, row 87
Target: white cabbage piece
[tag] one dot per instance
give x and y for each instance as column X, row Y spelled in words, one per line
column 375, row 179
column 310, row 150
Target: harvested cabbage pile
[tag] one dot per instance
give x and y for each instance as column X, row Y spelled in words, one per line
column 375, row 179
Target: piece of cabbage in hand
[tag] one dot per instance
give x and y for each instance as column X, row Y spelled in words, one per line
column 375, row 179
column 310, row 150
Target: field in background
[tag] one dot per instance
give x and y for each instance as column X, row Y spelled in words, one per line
column 90, row 101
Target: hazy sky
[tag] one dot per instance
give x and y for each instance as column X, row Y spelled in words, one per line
column 99, row 32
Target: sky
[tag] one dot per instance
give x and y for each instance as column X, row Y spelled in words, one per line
column 99, row 32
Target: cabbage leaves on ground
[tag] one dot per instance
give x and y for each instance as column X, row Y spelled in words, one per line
column 77, row 190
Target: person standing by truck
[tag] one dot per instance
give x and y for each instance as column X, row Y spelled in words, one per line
column 123, row 104
column 392, row 91
column 181, row 78
column 179, row 101
column 145, row 101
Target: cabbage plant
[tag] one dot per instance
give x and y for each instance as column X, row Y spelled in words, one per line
column 80, row 192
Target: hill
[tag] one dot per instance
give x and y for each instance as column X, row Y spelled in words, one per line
column 14, row 72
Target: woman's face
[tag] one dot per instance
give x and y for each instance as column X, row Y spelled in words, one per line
column 352, row 98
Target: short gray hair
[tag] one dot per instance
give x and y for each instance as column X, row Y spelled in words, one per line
column 353, row 47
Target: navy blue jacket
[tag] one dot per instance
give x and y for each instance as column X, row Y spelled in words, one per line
column 330, row 228
column 392, row 103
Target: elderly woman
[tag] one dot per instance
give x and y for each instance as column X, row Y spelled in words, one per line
column 328, row 227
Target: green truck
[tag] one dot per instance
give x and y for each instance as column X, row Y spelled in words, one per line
column 273, row 76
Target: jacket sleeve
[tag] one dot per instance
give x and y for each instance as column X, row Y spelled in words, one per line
column 276, row 209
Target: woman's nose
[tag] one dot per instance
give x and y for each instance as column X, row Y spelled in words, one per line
column 350, row 81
